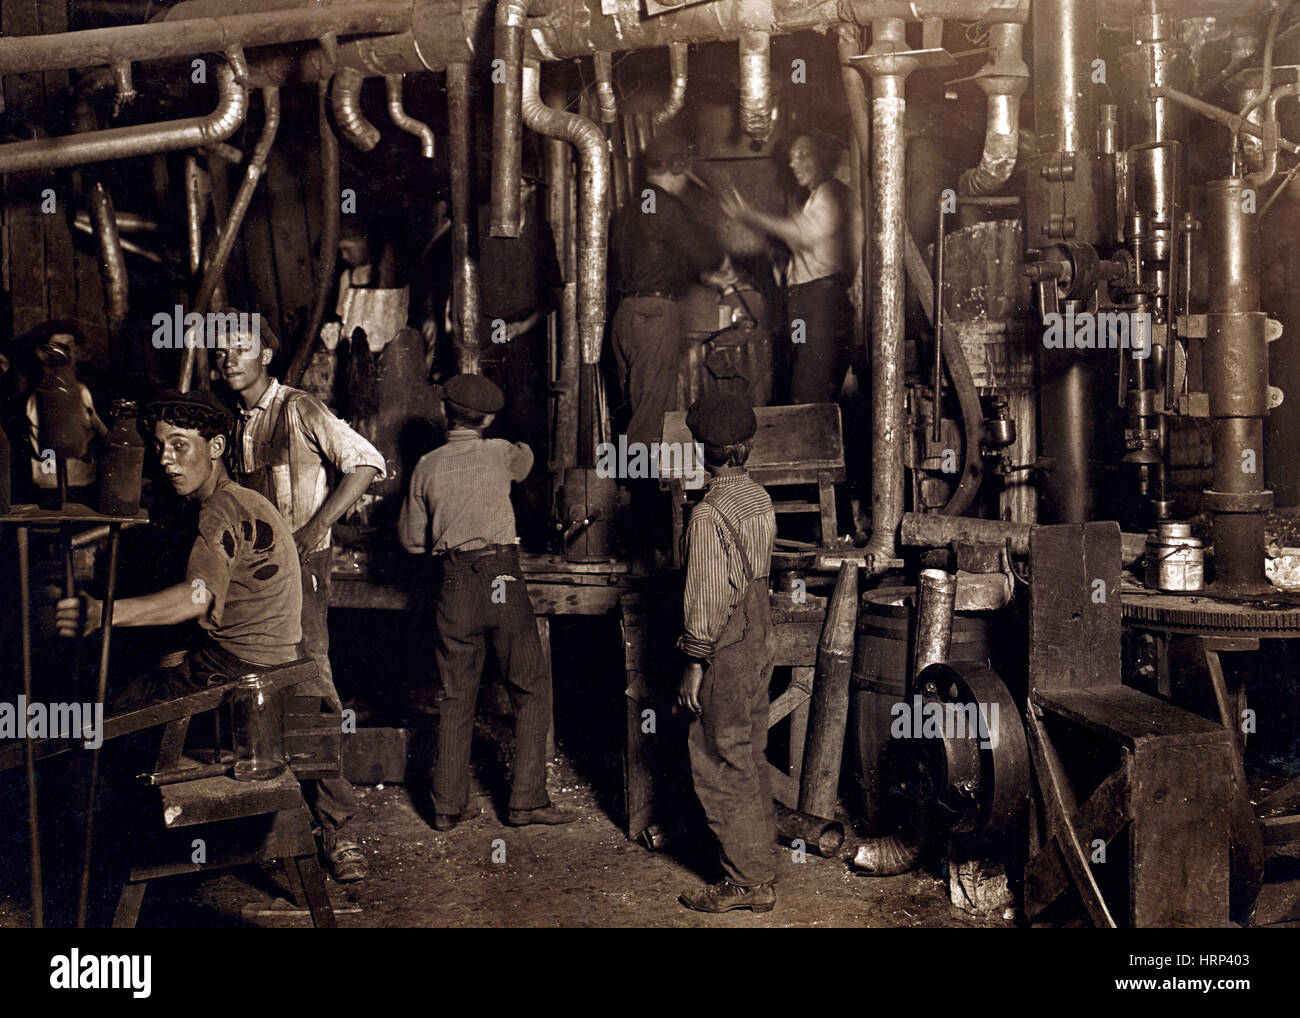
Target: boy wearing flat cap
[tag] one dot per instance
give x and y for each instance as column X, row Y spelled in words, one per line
column 458, row 511
column 727, row 638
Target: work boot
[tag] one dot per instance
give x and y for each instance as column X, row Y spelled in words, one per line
column 725, row 896
column 547, row 814
column 347, row 862
column 448, row 821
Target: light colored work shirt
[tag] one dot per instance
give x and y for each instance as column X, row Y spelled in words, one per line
column 459, row 499
column 296, row 478
column 830, row 233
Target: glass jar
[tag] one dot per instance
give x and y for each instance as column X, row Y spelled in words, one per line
column 256, row 729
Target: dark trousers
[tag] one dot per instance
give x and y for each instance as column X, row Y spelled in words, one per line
column 648, row 343
column 728, row 739
column 333, row 801
column 819, row 363
column 482, row 597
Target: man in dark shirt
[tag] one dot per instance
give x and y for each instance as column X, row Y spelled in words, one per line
column 519, row 280
column 660, row 252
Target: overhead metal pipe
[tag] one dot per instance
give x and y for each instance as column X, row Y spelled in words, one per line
column 182, row 36
column 142, row 139
column 398, row 115
column 592, row 238
column 677, row 61
column 329, row 237
column 756, row 85
column 1269, row 169
column 888, row 232
column 354, row 125
column 1004, row 80
column 234, row 220
column 604, row 64
column 507, row 132
column 464, row 218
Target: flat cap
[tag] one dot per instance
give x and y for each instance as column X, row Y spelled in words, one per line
column 721, row 419
column 474, row 392
column 193, row 409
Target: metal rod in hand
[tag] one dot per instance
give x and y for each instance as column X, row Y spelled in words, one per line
column 101, row 693
column 29, row 746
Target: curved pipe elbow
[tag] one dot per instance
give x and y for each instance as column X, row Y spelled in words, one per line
column 593, row 210
column 1269, row 169
column 1001, row 146
column 677, row 94
column 397, row 113
column 352, row 123
column 756, row 85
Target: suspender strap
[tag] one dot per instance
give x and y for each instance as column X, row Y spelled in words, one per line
column 735, row 539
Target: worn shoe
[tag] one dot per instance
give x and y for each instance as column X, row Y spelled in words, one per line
column 346, row 859
column 725, row 896
column 548, row 814
column 448, row 821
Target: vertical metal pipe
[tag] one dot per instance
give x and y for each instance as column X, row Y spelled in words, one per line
column 829, row 712
column 1004, row 80
column 329, row 236
column 112, row 261
column 230, row 229
column 464, row 216
column 888, row 225
column 604, row 65
column 559, row 172
column 1065, row 33
column 29, row 747
column 592, row 236
column 1236, row 373
column 507, row 130
column 936, row 594
column 756, row 85
column 936, row 367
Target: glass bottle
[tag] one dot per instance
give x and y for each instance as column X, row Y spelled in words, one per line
column 122, row 467
column 256, row 729
column 62, row 422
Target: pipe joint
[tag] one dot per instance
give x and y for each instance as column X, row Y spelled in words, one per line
column 756, row 85
column 677, row 60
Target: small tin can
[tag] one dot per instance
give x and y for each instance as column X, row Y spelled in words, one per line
column 1175, row 560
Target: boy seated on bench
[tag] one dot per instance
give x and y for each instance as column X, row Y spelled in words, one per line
column 242, row 582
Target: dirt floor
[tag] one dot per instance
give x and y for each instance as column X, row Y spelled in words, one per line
column 583, row 874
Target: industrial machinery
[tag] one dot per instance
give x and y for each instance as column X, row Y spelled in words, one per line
column 1069, row 481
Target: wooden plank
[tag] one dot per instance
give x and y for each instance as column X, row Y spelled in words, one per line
column 291, row 241
column 793, row 444
column 1101, row 817
column 1074, row 631
column 1128, row 716
column 211, row 799
column 1179, row 842
column 795, row 643
column 1058, row 801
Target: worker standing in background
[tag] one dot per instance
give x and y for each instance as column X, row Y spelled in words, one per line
column 286, row 446
column 728, row 639
column 458, row 510
column 519, row 284
column 660, row 252
column 824, row 237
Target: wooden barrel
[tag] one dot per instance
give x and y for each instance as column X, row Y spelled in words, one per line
column 881, row 666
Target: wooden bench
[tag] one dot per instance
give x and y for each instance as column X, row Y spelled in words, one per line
column 217, row 822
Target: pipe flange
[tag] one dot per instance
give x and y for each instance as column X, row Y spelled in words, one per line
column 1237, row 501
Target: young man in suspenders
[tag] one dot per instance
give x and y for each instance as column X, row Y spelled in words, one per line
column 289, row 448
column 728, row 630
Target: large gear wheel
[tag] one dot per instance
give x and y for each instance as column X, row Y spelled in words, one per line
column 1273, row 617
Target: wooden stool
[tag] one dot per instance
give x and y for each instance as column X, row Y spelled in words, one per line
column 217, row 822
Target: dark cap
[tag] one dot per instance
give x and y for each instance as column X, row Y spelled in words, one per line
column 474, row 392
column 666, row 151
column 721, row 419
column 198, row 410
